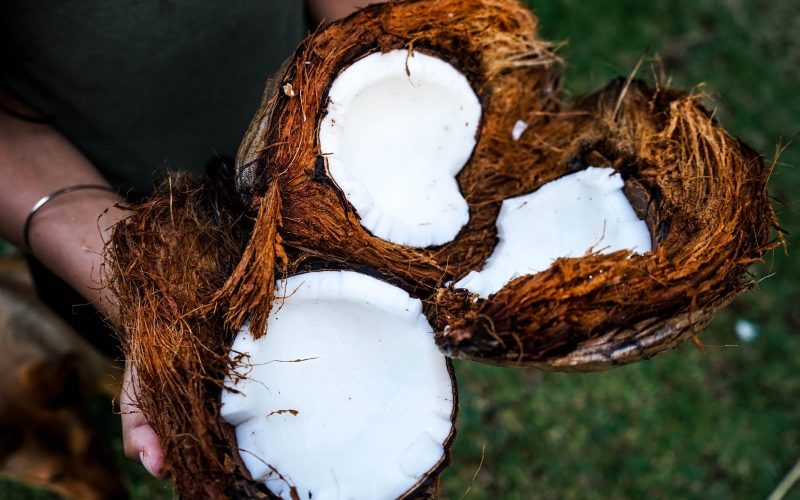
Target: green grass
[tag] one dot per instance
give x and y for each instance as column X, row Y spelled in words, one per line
column 725, row 424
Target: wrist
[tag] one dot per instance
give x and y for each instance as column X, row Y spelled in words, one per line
column 68, row 235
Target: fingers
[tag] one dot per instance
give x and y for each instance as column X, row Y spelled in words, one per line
column 139, row 440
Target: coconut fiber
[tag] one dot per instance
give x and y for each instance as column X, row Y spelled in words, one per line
column 193, row 263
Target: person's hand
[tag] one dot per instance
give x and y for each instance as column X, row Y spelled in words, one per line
column 139, row 439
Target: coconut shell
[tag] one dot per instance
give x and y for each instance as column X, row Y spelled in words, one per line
column 513, row 72
column 704, row 197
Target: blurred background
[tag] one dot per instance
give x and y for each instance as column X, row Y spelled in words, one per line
column 686, row 424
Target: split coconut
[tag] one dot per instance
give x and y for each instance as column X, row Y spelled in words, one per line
column 341, row 171
column 347, row 396
column 450, row 79
column 703, row 197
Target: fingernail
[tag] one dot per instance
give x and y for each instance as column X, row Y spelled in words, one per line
column 145, row 459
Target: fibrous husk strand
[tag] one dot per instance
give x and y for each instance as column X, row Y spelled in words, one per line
column 247, row 293
column 167, row 261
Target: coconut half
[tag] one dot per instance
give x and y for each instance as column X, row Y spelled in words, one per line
column 398, row 128
column 578, row 214
column 347, row 396
column 688, row 179
column 389, row 136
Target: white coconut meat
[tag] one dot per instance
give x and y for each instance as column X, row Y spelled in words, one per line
column 346, row 396
column 398, row 128
column 569, row 217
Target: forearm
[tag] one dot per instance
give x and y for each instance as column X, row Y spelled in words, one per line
column 69, row 232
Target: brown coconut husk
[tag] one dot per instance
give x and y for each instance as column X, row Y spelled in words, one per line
column 189, row 267
column 492, row 42
column 167, row 261
column 704, row 197
column 173, row 263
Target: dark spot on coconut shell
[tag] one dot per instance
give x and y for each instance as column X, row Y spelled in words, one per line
column 321, row 170
column 576, row 163
column 321, row 176
column 639, row 198
column 663, row 230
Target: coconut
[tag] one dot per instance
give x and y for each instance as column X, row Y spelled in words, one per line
column 360, row 400
column 703, row 196
column 659, row 212
column 347, row 396
column 486, row 68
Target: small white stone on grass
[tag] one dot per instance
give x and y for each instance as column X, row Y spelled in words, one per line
column 746, row 331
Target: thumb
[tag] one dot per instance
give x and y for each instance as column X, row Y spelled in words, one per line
column 139, row 439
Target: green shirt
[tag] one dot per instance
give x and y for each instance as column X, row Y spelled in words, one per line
column 138, row 85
